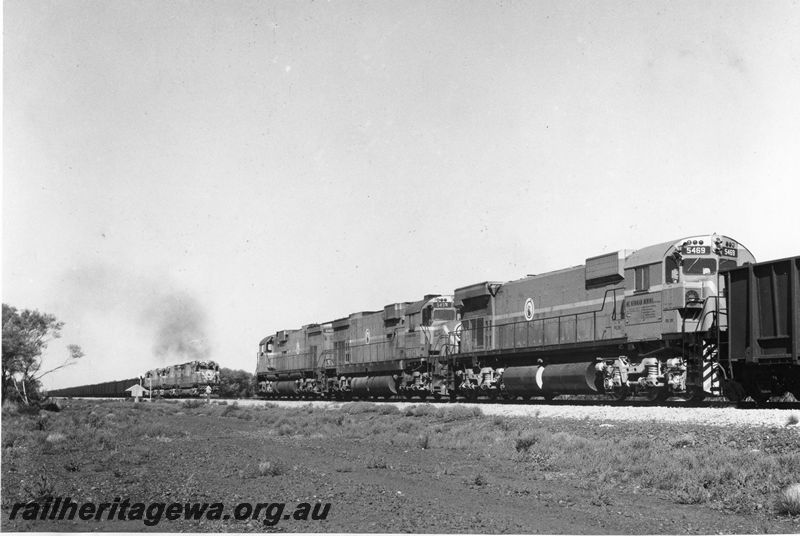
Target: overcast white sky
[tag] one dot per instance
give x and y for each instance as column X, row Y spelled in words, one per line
column 185, row 177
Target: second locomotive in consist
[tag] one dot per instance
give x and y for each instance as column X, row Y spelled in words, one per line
column 650, row 322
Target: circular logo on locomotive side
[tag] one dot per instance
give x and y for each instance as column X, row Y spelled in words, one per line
column 529, row 309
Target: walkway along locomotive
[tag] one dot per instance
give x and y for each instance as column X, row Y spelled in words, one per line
column 651, row 322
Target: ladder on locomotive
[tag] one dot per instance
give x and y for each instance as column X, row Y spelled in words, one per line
column 708, row 346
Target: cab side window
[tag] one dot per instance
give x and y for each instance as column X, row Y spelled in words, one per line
column 426, row 316
column 671, row 271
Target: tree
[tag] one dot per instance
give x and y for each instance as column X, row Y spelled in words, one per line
column 235, row 383
column 25, row 336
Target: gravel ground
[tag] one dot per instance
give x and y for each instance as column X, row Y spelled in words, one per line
column 692, row 415
column 420, row 471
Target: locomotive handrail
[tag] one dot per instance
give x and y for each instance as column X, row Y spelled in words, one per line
column 716, row 313
column 558, row 320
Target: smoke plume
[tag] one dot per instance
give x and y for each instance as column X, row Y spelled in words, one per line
column 156, row 322
column 178, row 325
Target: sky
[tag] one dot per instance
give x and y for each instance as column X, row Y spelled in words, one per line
column 183, row 178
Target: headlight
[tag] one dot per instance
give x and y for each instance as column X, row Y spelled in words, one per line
column 692, row 296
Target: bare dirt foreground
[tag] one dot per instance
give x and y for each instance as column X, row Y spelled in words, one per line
column 423, row 469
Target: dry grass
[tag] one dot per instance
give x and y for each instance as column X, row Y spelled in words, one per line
column 230, row 409
column 788, row 501
column 268, row 468
column 55, row 437
column 691, row 465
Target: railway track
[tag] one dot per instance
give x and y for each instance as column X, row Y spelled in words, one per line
column 580, row 401
column 720, row 415
column 633, row 402
column 711, row 413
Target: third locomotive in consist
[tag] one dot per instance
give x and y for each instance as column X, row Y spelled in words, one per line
column 689, row 318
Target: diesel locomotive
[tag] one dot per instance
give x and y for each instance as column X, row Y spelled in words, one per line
column 652, row 323
column 187, row 379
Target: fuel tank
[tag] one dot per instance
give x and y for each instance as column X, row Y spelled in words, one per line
column 286, row 388
column 562, row 378
column 373, row 386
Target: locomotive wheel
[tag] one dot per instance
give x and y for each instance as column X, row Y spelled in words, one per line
column 619, row 394
column 733, row 391
column 696, row 395
column 656, row 395
column 453, row 396
column 423, row 395
column 761, row 397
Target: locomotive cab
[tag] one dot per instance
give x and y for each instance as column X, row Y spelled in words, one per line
column 675, row 287
column 438, row 319
column 265, row 363
column 437, row 312
column 674, row 311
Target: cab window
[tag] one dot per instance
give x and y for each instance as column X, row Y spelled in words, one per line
column 444, row 314
column 426, row 316
column 727, row 264
column 671, row 271
column 700, row 266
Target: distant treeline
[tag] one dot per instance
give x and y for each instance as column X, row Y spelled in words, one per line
column 236, row 383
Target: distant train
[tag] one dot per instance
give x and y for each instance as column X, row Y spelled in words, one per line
column 689, row 318
column 113, row 389
column 186, row 379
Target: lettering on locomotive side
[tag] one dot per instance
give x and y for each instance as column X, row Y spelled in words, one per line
column 644, row 309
